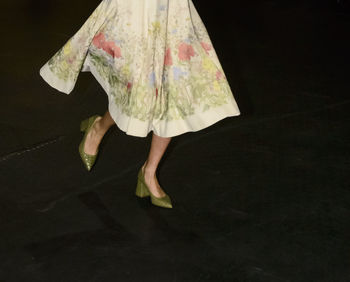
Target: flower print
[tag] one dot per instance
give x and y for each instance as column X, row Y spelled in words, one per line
column 186, row 51
column 178, row 73
column 67, row 48
column 216, row 85
column 64, row 66
column 129, row 86
column 168, row 60
column 193, row 80
column 219, row 75
column 108, row 46
column 156, row 27
column 98, row 40
column 112, row 49
column 125, row 70
column 208, row 65
column 207, row 47
column 152, row 78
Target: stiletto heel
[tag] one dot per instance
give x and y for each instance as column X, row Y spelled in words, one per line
column 142, row 191
column 87, row 159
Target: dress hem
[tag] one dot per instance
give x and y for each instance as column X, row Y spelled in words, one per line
column 163, row 128
column 54, row 81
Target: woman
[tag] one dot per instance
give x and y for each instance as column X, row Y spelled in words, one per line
column 156, row 62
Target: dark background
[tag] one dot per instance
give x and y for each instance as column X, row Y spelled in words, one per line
column 259, row 197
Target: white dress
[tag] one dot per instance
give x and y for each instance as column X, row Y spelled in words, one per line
column 155, row 61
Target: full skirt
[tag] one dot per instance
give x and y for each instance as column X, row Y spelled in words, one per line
column 155, row 61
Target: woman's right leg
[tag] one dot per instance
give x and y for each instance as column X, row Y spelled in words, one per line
column 98, row 130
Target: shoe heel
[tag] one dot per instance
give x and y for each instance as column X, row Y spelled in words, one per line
column 84, row 125
column 141, row 190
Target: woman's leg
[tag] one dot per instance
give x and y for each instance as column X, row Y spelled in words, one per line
column 95, row 135
column 158, row 147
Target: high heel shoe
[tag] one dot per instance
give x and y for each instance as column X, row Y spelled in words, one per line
column 142, row 191
column 87, row 159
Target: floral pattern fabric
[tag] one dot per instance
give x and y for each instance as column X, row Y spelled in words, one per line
column 155, row 61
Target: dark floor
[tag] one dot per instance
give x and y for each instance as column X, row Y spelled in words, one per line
column 263, row 197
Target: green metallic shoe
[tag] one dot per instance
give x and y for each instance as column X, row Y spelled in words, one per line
column 142, row 191
column 87, row 159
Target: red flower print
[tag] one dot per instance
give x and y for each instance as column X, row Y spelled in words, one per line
column 98, row 40
column 207, row 47
column 219, row 75
column 112, row 49
column 108, row 46
column 185, row 52
column 129, row 86
column 168, row 60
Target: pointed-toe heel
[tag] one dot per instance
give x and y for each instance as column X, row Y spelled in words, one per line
column 142, row 191
column 88, row 160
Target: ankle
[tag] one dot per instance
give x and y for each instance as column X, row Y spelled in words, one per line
column 100, row 127
column 149, row 170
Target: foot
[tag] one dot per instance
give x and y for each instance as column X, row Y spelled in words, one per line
column 94, row 137
column 152, row 183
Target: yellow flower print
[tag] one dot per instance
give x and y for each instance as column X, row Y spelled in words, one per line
column 65, row 66
column 125, row 70
column 216, row 85
column 208, row 65
column 67, row 48
column 156, row 27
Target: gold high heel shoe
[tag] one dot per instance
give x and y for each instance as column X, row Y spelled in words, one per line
column 142, row 191
column 87, row 159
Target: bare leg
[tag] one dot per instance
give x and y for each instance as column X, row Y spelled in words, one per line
column 98, row 130
column 158, row 147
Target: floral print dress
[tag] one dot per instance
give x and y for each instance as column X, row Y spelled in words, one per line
column 155, row 61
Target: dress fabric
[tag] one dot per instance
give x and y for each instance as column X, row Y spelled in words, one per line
column 155, row 61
